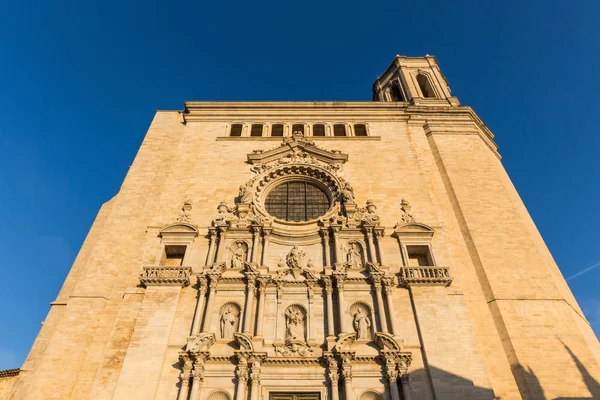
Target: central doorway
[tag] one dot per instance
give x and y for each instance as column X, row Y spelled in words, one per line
column 294, row 396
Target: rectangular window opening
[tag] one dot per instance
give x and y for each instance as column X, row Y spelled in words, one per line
column 360, row 130
column 298, row 128
column 318, row 130
column 257, row 130
column 419, row 256
column 277, row 130
column 173, row 256
column 339, row 130
column 236, row 130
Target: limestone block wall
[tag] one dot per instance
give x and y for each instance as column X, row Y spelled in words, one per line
column 107, row 337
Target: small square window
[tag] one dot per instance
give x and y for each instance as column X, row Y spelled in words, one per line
column 173, row 256
column 360, row 130
column 419, row 256
column 318, row 130
column 257, row 130
column 298, row 128
column 236, row 130
column 277, row 130
column 339, row 130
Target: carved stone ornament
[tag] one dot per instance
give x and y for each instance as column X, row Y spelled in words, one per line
column 185, row 214
column 405, row 217
column 165, row 276
column 294, row 268
column 357, row 216
column 295, row 348
column 200, row 343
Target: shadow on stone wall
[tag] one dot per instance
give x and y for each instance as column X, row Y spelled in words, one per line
column 531, row 389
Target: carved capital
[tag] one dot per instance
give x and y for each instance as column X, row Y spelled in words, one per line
column 202, row 285
column 347, row 368
column 339, row 282
column 333, row 370
column 327, row 284
column 376, row 279
column 388, row 284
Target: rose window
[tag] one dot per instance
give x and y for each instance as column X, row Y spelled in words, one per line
column 297, row 201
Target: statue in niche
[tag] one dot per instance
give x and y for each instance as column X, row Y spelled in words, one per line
column 361, row 324
column 239, row 256
column 228, row 322
column 294, row 322
column 295, row 257
column 355, row 256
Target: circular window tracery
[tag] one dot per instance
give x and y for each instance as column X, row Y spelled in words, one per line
column 297, row 201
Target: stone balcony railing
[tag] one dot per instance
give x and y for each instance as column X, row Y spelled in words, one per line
column 425, row 276
column 165, row 276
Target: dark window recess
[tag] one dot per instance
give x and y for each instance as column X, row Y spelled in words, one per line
column 319, row 130
column 256, row 130
column 425, row 86
column 339, row 130
column 277, row 130
column 360, row 130
column 298, row 128
column 297, row 201
column 236, row 130
column 396, row 94
column 173, row 256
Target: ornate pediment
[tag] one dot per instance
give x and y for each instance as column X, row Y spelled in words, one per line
column 297, row 149
column 386, row 342
column 200, row 343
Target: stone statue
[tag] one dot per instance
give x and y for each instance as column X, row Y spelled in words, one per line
column 185, row 214
column 355, row 256
column 228, row 321
column 239, row 257
column 347, row 193
column 245, row 195
column 406, row 215
column 294, row 322
column 295, row 257
column 361, row 325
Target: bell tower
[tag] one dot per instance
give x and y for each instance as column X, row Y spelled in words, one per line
column 417, row 80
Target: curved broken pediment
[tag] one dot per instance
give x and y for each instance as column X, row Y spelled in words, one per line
column 179, row 227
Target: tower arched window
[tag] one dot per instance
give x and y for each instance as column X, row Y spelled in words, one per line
column 396, row 93
column 425, row 86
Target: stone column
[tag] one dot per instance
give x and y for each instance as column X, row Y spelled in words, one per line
column 242, row 378
column 255, row 380
column 185, row 377
column 197, row 379
column 255, row 237
column 279, row 300
column 329, row 292
column 249, row 302
column 214, row 280
column 310, row 291
column 347, row 373
column 378, row 242
column 392, row 376
column 404, row 381
column 388, row 286
column 325, row 233
column 221, row 246
column 336, row 245
column 339, row 280
column 381, row 310
column 266, row 238
column 262, row 288
column 372, row 253
column 334, row 377
column 212, row 237
column 199, row 305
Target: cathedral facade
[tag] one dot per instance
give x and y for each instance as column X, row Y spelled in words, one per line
column 314, row 251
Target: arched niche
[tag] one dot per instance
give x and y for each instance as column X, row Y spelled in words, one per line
column 355, row 254
column 295, row 322
column 425, row 86
column 229, row 320
column 370, row 395
column 362, row 320
column 218, row 395
column 239, row 253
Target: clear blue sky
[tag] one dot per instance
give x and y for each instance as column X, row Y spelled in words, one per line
column 80, row 82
